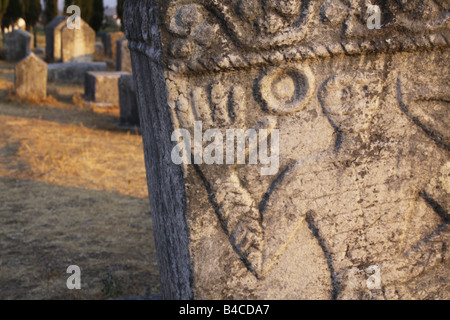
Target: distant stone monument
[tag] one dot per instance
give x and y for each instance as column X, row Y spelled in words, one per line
column 129, row 112
column 69, row 45
column 78, row 45
column 104, row 39
column 338, row 186
column 31, row 77
column 102, row 87
column 99, row 49
column 17, row 44
column 112, row 43
column 123, row 56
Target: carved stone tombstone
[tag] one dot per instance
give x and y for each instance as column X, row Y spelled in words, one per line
column 17, row 44
column 349, row 195
column 31, row 77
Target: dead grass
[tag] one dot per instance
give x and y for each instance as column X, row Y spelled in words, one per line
column 32, row 99
column 46, row 228
column 6, row 76
column 72, row 191
column 74, row 156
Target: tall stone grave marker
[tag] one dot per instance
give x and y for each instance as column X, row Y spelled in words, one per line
column 17, row 44
column 78, row 45
column 69, row 45
column 129, row 112
column 31, row 77
column 338, row 186
column 53, row 38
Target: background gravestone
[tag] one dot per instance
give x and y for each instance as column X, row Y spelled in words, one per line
column 129, row 112
column 102, row 87
column 103, row 38
column 31, row 77
column 123, row 56
column 78, row 45
column 111, row 47
column 359, row 206
column 99, row 49
column 69, row 45
column 17, row 44
column 53, row 38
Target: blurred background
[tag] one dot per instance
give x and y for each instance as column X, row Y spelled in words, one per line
column 73, row 185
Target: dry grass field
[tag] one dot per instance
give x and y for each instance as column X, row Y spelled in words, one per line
column 72, row 192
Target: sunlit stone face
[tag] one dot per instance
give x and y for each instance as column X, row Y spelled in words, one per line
column 284, row 88
column 350, row 104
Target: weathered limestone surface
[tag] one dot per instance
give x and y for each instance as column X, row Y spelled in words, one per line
column 17, row 44
column 73, row 72
column 31, row 77
column 69, row 45
column 129, row 112
column 102, row 87
column 123, row 56
column 364, row 137
column 78, row 45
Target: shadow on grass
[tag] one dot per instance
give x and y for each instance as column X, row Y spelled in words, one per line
column 45, row 228
column 79, row 117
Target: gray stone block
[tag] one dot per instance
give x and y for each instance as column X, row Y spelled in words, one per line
column 102, row 87
column 73, row 72
column 129, row 112
column 17, row 45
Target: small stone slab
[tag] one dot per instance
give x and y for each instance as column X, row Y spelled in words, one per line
column 73, row 72
column 129, row 112
column 102, row 87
